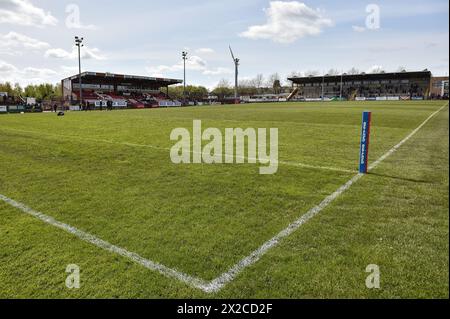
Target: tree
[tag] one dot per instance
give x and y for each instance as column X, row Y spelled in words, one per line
column 274, row 82
column 30, row 91
column 224, row 83
column 272, row 79
column 277, row 87
column 45, row 91
column 353, row 71
column 376, row 69
column 176, row 92
column 6, row 87
column 192, row 92
column 197, row 92
column 57, row 91
column 259, row 81
column 247, row 87
column 223, row 89
column 294, row 74
column 17, row 91
column 333, row 72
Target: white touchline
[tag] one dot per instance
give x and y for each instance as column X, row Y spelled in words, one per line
column 81, row 138
column 392, row 150
column 166, row 271
column 216, row 284
column 228, row 276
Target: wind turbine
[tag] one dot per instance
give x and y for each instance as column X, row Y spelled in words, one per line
column 236, row 76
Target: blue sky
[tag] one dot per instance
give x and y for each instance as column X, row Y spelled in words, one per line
column 147, row 37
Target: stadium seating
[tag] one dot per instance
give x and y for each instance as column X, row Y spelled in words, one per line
column 136, row 104
column 133, row 100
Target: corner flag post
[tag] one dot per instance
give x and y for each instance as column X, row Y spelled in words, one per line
column 365, row 139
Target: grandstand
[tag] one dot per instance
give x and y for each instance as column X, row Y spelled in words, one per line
column 439, row 87
column 377, row 86
column 125, row 91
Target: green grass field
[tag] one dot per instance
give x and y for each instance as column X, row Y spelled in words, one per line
column 110, row 175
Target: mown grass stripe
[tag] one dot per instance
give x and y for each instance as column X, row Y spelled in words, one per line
column 216, row 284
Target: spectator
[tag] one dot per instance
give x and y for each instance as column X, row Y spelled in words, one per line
column 110, row 105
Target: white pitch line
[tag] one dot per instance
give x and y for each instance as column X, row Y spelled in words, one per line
column 74, row 137
column 326, row 168
column 392, row 150
column 218, row 283
column 166, row 271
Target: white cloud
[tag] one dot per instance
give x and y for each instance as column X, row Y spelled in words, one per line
column 358, row 28
column 57, row 54
column 69, row 69
column 24, row 13
column 194, row 63
column 288, row 22
column 218, row 71
column 10, row 52
column 205, row 51
column 94, row 54
column 38, row 73
column 6, row 68
column 86, row 53
column 28, row 75
column 16, row 40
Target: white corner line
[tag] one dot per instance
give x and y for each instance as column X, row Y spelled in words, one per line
column 217, row 284
column 166, row 271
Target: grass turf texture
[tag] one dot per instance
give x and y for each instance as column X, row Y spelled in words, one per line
column 108, row 174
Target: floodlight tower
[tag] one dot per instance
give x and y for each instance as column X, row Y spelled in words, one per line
column 236, row 76
column 79, row 44
column 184, row 54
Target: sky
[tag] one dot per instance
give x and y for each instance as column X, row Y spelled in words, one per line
column 147, row 37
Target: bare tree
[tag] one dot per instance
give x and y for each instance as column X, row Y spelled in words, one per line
column 272, row 79
column 376, row 69
column 223, row 89
column 277, row 87
column 353, row 71
column 244, row 83
column 224, row 83
column 259, row 81
column 333, row 72
column 247, row 87
column 274, row 82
